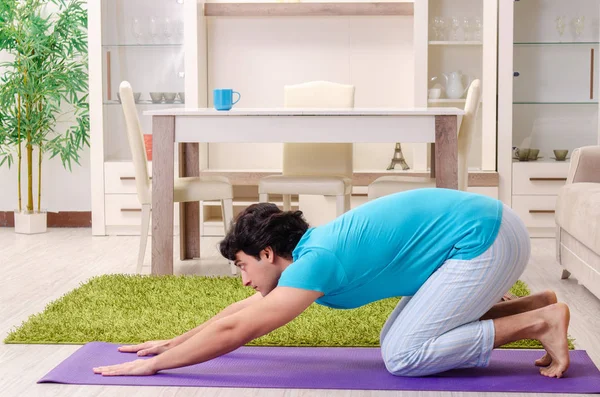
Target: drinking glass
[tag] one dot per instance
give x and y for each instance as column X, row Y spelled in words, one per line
column 180, row 28
column 477, row 28
column 467, row 27
column 136, row 29
column 154, row 29
column 560, row 25
column 436, row 31
column 579, row 22
column 440, row 24
column 167, row 28
column 454, row 25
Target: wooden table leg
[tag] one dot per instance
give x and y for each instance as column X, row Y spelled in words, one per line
column 163, row 139
column 446, row 152
column 432, row 161
column 189, row 213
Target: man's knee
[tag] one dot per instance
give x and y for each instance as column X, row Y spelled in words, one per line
column 407, row 363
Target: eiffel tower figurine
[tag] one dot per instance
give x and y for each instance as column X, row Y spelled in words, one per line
column 398, row 158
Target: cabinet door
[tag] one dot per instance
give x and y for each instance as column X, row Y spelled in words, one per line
column 142, row 43
column 556, row 90
column 462, row 48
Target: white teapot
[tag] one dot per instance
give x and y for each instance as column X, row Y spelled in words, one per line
column 454, row 84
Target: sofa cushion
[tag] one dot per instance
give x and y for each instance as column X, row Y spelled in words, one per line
column 578, row 212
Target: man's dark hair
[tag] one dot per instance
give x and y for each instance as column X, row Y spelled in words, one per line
column 264, row 225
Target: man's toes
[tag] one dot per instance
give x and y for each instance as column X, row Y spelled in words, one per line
column 547, row 372
column 544, row 361
column 550, row 296
column 553, row 371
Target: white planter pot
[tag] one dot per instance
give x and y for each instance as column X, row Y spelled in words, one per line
column 30, row 222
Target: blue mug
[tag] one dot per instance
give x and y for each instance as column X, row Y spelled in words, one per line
column 223, row 98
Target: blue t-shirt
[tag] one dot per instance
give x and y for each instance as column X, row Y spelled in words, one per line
column 390, row 246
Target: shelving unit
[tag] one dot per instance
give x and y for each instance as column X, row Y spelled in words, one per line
column 548, row 99
column 140, row 41
column 476, row 59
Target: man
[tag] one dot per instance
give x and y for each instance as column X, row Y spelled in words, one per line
column 451, row 255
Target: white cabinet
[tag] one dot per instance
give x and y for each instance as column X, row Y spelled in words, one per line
column 141, row 41
column 537, row 178
column 535, row 187
column 122, row 210
column 548, row 87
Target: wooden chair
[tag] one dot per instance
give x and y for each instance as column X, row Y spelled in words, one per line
column 185, row 189
column 392, row 184
column 314, row 168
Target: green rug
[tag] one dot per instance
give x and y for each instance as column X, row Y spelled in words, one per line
column 132, row 309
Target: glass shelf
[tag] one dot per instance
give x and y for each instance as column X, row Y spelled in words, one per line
column 445, row 100
column 146, row 102
column 141, row 45
column 456, row 43
column 558, row 43
column 543, row 160
column 556, row 103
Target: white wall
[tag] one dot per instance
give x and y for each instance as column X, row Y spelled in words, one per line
column 61, row 190
column 375, row 54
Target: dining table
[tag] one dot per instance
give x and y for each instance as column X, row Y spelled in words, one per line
column 182, row 129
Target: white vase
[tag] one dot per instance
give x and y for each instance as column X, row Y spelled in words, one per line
column 30, row 222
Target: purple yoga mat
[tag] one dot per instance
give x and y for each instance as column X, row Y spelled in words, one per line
column 330, row 368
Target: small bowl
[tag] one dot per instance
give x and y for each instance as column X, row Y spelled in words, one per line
column 561, row 154
column 156, row 97
column 170, row 97
column 533, row 154
column 435, row 93
column 136, row 96
column 181, row 96
column 523, row 154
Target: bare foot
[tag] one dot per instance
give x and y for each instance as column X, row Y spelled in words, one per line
column 554, row 340
column 542, row 299
column 544, row 361
column 546, row 298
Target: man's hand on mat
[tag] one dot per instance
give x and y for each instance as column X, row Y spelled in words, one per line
column 146, row 348
column 137, row 367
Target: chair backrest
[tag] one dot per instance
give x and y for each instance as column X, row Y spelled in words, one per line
column 136, row 144
column 466, row 132
column 318, row 159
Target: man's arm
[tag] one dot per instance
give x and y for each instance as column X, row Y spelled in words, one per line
column 224, row 335
column 158, row 347
column 229, row 310
column 279, row 307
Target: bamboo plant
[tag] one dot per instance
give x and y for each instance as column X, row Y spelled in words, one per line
column 43, row 87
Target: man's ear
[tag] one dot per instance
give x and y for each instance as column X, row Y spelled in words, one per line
column 269, row 254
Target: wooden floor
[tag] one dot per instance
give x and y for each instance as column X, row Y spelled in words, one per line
column 39, row 269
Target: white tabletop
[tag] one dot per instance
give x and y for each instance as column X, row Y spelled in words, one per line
column 440, row 111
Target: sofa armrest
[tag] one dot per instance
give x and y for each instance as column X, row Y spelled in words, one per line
column 585, row 165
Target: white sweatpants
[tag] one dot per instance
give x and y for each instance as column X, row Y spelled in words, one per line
column 438, row 328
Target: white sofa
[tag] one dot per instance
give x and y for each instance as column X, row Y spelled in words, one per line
column 578, row 219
